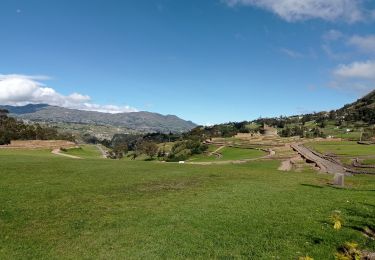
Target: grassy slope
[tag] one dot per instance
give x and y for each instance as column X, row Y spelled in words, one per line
column 58, row 207
column 85, row 151
column 229, row 153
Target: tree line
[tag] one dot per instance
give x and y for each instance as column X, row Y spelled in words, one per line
column 13, row 129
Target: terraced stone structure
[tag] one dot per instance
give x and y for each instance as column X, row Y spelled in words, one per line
column 268, row 131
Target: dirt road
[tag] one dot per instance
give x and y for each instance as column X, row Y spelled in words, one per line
column 57, row 151
column 325, row 165
column 100, row 148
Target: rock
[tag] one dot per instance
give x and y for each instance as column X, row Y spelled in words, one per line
column 338, row 180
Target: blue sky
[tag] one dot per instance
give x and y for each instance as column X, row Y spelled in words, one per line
column 208, row 61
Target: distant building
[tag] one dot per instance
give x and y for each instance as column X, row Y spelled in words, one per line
column 268, row 131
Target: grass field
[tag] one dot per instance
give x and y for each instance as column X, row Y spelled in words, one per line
column 54, row 207
column 228, row 154
column 369, row 161
column 85, row 151
column 346, row 148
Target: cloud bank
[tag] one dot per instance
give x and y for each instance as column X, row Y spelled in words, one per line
column 296, row 10
column 363, row 43
column 359, row 70
column 19, row 90
column 358, row 76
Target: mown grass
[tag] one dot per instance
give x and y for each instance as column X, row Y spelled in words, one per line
column 228, row 154
column 52, row 207
column 344, row 148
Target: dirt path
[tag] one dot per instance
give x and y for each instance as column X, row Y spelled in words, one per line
column 57, row 151
column 216, row 152
column 327, row 166
column 269, row 155
column 218, row 149
column 103, row 152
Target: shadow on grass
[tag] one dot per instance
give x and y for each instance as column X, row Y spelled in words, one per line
column 367, row 204
column 347, row 187
column 362, row 219
column 312, row 185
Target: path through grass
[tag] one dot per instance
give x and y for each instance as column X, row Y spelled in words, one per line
column 228, row 154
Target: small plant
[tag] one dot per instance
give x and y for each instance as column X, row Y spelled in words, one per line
column 349, row 252
column 336, row 220
column 305, row 258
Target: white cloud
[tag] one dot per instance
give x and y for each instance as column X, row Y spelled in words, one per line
column 357, row 76
column 332, row 35
column 296, row 10
column 361, row 70
column 20, row 90
column 31, row 77
column 292, row 53
column 358, row 87
column 363, row 43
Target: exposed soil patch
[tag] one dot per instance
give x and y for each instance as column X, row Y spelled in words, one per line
column 286, row 165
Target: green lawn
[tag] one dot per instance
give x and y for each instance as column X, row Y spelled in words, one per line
column 369, row 161
column 85, row 151
column 229, row 153
column 345, row 148
column 54, row 207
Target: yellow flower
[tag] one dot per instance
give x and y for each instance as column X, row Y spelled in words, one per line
column 305, row 258
column 336, row 220
column 337, row 224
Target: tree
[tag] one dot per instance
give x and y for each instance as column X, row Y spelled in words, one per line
column 149, row 148
column 12, row 129
column 323, row 124
column 3, row 112
column 120, row 150
column 4, row 137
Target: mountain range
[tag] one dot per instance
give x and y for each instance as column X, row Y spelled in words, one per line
column 136, row 121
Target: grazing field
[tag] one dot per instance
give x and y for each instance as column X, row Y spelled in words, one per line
column 345, row 148
column 55, row 207
column 228, row 154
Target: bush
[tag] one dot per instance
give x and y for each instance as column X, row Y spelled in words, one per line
column 184, row 149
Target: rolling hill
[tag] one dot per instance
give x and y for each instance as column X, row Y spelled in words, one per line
column 137, row 121
column 361, row 110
